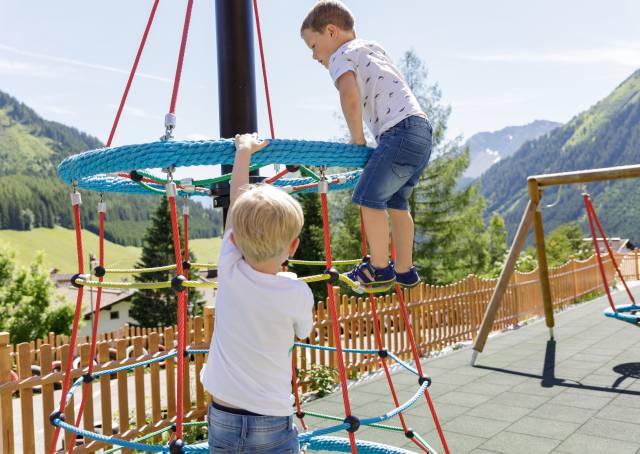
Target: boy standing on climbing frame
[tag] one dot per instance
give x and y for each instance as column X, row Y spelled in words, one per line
column 372, row 89
column 258, row 312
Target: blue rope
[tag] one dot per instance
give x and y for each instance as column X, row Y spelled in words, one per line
column 91, row 169
column 620, row 313
column 328, row 444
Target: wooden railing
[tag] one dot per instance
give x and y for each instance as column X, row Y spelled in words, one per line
column 144, row 400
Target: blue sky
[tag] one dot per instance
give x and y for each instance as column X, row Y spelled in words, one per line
column 498, row 62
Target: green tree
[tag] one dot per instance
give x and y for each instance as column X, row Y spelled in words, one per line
column 26, row 294
column 497, row 245
column 158, row 307
column 311, row 242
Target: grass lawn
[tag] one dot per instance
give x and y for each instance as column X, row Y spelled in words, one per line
column 59, row 245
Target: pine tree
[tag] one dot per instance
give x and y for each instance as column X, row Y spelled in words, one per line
column 158, row 307
column 311, row 242
column 497, row 245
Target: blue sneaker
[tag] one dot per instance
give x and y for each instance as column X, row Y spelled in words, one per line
column 408, row 279
column 383, row 278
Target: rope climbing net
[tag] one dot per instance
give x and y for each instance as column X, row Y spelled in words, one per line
column 109, row 169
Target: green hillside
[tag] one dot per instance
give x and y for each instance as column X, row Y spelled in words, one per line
column 606, row 135
column 59, row 245
column 32, row 195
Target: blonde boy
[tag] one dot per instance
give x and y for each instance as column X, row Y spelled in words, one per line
column 372, row 89
column 258, row 312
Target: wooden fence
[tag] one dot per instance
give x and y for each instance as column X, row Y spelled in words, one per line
column 143, row 401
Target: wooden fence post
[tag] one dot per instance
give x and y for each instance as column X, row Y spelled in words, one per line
column 6, row 407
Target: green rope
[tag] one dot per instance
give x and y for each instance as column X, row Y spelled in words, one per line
column 323, row 263
column 307, row 172
column 149, row 188
column 335, row 418
column 209, row 181
column 140, row 270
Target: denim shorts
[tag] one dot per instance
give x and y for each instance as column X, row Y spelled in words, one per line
column 232, row 433
column 394, row 168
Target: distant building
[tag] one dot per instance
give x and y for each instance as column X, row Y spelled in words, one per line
column 115, row 303
column 616, row 244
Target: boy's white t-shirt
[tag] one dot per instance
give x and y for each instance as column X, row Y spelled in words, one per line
column 257, row 315
column 386, row 98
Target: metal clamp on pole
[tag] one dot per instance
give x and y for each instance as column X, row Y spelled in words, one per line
column 102, row 205
column 171, row 189
column 169, row 126
column 76, row 199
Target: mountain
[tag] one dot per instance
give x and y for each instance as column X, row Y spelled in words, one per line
column 32, row 195
column 488, row 148
column 606, row 135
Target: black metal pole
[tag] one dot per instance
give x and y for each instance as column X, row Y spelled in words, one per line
column 236, row 74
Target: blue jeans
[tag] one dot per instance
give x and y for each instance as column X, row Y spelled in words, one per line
column 232, row 433
column 393, row 169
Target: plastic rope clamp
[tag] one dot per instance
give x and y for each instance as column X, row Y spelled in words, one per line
column 175, row 447
column 56, row 415
column 334, row 276
column 171, row 189
column 99, row 271
column 409, row 433
column 76, row 199
column 186, row 264
column 292, row 168
column 382, row 353
column 176, row 283
column 185, row 210
column 102, row 207
column 87, row 378
column 354, row 423
column 323, row 186
column 77, row 276
column 424, row 379
column 300, row 414
column 135, row 176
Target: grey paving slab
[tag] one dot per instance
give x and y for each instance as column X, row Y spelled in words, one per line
column 577, row 394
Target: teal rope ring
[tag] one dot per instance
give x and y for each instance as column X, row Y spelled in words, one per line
column 94, row 169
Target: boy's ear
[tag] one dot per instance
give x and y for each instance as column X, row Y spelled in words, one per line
column 332, row 30
column 294, row 247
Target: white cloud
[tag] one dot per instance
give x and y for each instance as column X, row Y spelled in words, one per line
column 621, row 54
column 77, row 63
column 18, row 68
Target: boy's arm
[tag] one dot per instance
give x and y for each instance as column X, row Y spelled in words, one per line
column 246, row 145
column 351, row 107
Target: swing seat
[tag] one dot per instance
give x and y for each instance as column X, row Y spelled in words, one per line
column 627, row 313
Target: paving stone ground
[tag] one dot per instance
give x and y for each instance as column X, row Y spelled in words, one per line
column 579, row 393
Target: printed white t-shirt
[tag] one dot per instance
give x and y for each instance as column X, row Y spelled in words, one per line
column 385, row 96
column 257, row 315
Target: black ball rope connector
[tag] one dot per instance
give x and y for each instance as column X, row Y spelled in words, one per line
column 366, row 258
column 99, row 271
column 176, row 283
column 423, row 379
column 88, row 378
column 409, row 433
column 300, row 414
column 382, row 353
column 334, row 276
column 292, row 168
column 285, row 263
column 135, row 176
column 354, row 423
column 56, row 415
column 175, row 447
column 186, row 264
column 75, row 277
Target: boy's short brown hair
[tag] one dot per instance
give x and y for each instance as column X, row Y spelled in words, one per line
column 327, row 12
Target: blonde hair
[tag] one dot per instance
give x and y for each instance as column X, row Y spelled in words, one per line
column 265, row 221
column 327, row 12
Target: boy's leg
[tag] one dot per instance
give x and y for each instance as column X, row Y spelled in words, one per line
column 376, row 227
column 402, row 230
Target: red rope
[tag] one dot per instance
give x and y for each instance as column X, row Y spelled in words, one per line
column 74, row 330
column 277, row 176
column 264, row 67
column 334, row 318
column 86, row 387
column 590, row 215
column 294, row 377
column 380, row 343
column 132, row 73
column 611, row 254
column 183, row 45
column 181, row 319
